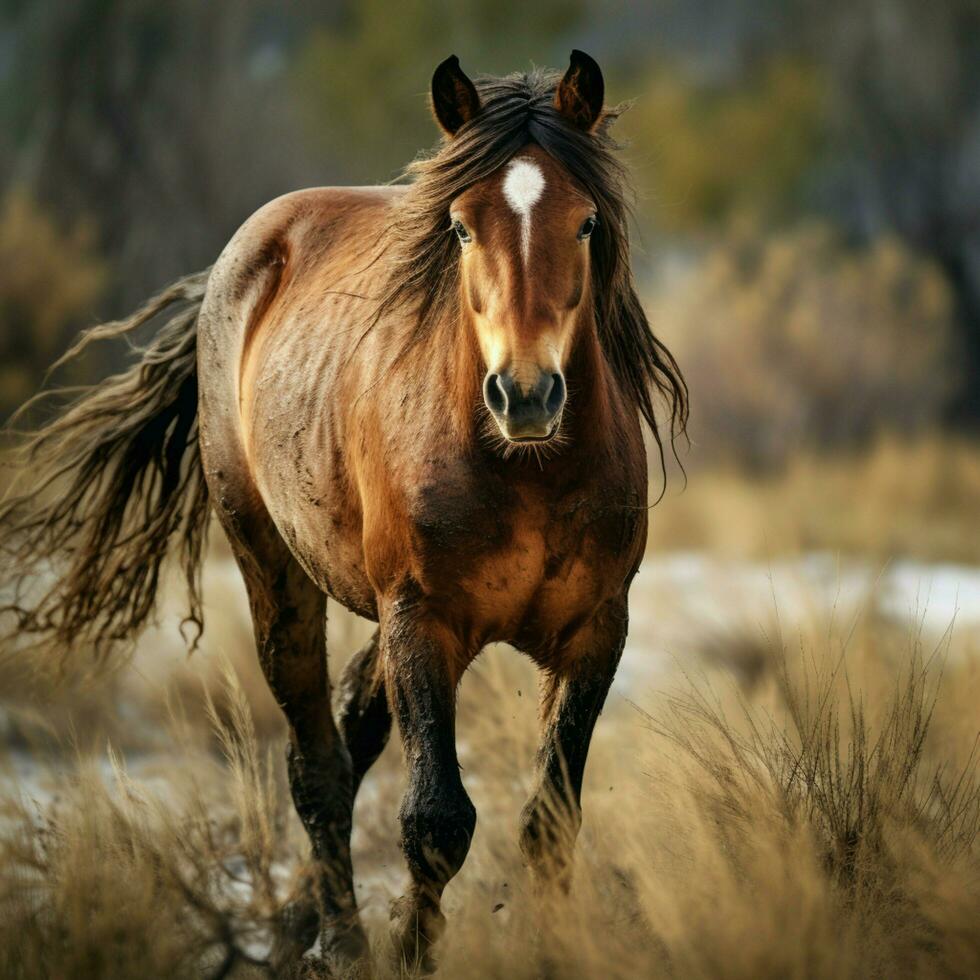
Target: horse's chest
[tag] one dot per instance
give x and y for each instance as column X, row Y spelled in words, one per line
column 528, row 587
column 516, row 561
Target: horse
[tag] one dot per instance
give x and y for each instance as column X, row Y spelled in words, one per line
column 425, row 400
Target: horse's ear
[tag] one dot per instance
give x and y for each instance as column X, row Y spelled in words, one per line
column 580, row 93
column 454, row 97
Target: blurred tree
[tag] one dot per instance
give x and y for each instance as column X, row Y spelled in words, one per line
column 167, row 124
column 904, row 81
column 865, row 112
column 49, row 280
column 796, row 340
column 164, row 125
column 364, row 83
column 706, row 152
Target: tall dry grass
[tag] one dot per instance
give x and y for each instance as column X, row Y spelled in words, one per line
column 820, row 821
column 797, row 803
column 901, row 497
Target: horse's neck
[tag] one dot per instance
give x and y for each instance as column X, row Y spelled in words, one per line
column 587, row 376
column 456, row 359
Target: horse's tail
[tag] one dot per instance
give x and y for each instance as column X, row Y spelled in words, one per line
column 107, row 486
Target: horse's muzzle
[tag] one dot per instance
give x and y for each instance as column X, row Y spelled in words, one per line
column 525, row 415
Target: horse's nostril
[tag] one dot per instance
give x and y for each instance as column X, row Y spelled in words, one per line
column 556, row 397
column 494, row 394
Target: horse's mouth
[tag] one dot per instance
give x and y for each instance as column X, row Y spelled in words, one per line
column 525, row 440
column 533, row 440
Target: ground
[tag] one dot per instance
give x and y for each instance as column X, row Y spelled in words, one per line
column 783, row 782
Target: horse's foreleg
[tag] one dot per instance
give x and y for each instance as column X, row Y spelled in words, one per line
column 363, row 715
column 437, row 817
column 571, row 700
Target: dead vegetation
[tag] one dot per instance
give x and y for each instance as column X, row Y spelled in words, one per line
column 788, row 800
column 901, row 497
column 821, row 821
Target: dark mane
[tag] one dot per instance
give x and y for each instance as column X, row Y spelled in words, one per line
column 516, row 110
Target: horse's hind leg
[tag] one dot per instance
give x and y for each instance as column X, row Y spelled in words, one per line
column 289, row 616
column 363, row 715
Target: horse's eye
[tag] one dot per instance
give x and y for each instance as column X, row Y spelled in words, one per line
column 461, row 232
column 588, row 226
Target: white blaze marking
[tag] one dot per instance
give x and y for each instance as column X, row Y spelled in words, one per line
column 523, row 187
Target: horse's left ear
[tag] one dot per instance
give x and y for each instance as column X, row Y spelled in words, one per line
column 454, row 98
column 580, row 93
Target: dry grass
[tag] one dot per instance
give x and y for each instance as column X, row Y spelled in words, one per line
column 821, row 821
column 801, row 802
column 902, row 498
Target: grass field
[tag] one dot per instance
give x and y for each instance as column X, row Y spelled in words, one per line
column 900, row 498
column 794, row 795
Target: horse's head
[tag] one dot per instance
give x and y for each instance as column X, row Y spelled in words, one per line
column 525, row 268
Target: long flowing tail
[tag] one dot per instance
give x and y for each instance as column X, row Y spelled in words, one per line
column 104, row 490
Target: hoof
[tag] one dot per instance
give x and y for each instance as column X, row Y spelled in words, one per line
column 318, row 968
column 296, row 931
column 345, row 950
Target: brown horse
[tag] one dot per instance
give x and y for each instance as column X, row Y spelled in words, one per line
column 424, row 401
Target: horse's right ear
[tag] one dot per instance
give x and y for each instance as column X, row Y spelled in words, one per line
column 454, row 97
